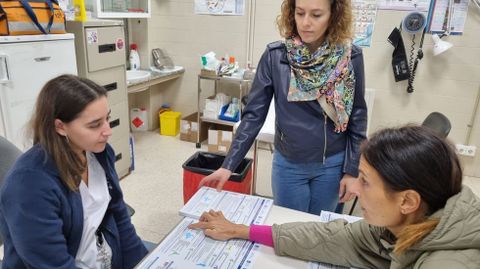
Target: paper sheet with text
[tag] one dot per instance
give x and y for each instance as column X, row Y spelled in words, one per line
column 186, row 248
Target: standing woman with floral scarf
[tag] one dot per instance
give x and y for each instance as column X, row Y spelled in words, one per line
column 316, row 76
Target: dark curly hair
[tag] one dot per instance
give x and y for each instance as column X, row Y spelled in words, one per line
column 340, row 29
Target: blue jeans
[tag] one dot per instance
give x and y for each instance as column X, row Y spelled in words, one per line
column 308, row 187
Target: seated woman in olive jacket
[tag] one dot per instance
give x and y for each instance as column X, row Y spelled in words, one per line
column 416, row 212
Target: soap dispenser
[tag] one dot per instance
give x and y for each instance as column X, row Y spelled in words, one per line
column 134, row 58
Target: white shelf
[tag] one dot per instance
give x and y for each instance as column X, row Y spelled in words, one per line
column 243, row 86
column 112, row 15
column 218, row 121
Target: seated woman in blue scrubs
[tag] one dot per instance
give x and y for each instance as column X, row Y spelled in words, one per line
column 61, row 204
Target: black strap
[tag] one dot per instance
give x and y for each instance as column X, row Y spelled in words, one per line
column 34, row 18
column 99, row 236
column 52, row 14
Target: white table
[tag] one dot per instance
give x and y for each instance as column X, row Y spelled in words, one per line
column 266, row 257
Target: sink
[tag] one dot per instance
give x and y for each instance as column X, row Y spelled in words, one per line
column 137, row 75
column 167, row 70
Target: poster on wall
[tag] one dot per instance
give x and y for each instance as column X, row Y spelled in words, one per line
column 448, row 16
column 406, row 5
column 220, row 7
column 364, row 13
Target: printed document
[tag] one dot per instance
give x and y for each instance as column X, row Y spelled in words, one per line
column 220, row 7
column 186, row 248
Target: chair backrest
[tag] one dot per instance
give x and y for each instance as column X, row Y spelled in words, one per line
column 8, row 156
column 438, row 123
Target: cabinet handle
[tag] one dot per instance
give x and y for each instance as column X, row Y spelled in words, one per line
column 114, row 123
column 5, row 73
column 110, row 87
column 118, row 157
column 42, row 59
column 106, row 48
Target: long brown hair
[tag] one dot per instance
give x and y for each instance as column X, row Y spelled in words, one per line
column 415, row 158
column 340, row 28
column 64, row 98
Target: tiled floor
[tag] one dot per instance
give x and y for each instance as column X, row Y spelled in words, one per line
column 155, row 188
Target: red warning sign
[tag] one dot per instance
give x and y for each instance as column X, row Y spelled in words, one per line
column 137, row 122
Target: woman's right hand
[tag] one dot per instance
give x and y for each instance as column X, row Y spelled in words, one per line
column 217, row 178
column 215, row 225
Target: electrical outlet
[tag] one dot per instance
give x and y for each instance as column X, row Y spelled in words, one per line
column 466, row 150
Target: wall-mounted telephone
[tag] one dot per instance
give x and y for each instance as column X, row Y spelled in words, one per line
column 414, row 23
column 161, row 60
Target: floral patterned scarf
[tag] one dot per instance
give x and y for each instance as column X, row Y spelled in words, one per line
column 327, row 72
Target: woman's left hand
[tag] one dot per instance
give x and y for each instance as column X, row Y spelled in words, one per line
column 345, row 194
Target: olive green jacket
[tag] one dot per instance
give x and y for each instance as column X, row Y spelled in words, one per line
column 454, row 243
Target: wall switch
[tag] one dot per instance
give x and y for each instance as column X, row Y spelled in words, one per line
column 466, row 150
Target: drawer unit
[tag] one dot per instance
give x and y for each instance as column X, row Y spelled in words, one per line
column 103, row 49
column 122, row 155
column 119, row 120
column 114, row 80
column 100, row 47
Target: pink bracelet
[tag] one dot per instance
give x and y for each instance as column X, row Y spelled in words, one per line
column 261, row 234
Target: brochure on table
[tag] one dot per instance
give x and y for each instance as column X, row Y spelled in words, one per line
column 186, row 248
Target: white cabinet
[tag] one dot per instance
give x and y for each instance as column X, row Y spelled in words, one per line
column 26, row 64
column 122, row 8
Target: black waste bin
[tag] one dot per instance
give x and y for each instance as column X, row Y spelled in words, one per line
column 202, row 164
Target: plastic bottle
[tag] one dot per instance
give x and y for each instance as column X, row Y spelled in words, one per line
column 80, row 11
column 138, row 119
column 134, row 58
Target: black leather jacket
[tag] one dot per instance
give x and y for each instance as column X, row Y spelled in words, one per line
column 303, row 132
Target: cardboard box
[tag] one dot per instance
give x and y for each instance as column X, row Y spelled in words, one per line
column 220, row 139
column 208, row 73
column 189, row 129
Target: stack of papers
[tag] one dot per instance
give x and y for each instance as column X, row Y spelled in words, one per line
column 185, row 248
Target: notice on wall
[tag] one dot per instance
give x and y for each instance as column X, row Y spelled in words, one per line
column 364, row 13
column 220, row 7
column 406, row 5
column 448, row 16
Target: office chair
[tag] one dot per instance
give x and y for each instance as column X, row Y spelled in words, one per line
column 9, row 155
column 437, row 122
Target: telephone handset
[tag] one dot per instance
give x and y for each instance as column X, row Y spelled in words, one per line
column 161, row 60
column 414, row 23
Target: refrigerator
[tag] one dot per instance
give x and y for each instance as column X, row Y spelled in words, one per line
column 26, row 64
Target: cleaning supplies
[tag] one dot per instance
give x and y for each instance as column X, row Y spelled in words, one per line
column 80, row 11
column 134, row 59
